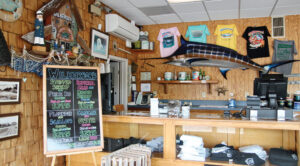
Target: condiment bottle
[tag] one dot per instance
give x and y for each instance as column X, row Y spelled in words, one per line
column 200, row 75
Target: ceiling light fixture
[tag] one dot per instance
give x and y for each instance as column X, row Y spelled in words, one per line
column 181, row 1
column 185, row 1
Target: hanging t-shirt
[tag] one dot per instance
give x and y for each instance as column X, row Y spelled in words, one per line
column 226, row 35
column 197, row 33
column 284, row 50
column 257, row 41
column 168, row 41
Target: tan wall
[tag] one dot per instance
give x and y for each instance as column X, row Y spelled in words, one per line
column 238, row 81
column 28, row 148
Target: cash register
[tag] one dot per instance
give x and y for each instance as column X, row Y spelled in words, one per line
column 268, row 89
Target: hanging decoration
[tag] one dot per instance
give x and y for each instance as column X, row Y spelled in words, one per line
column 61, row 22
column 221, row 90
column 28, row 62
column 31, row 63
column 10, row 10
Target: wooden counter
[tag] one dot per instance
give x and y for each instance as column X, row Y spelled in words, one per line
column 213, row 128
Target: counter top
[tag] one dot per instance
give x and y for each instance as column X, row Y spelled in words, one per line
column 202, row 119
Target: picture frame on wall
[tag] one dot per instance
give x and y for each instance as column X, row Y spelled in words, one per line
column 9, row 126
column 99, row 44
column 133, row 78
column 10, row 91
column 146, row 76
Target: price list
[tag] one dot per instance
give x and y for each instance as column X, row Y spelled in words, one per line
column 73, row 119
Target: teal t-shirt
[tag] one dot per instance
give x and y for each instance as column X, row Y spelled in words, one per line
column 197, row 33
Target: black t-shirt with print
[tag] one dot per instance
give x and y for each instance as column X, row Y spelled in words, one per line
column 257, row 41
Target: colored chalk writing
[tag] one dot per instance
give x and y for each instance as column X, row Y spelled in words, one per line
column 73, row 118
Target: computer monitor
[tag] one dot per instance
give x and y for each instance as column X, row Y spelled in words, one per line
column 271, row 84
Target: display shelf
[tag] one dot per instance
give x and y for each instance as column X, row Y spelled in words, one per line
column 206, row 82
column 211, row 162
column 266, row 133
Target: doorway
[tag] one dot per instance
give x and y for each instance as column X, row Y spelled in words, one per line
column 119, row 70
column 115, row 70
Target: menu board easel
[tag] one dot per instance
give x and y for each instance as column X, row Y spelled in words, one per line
column 72, row 116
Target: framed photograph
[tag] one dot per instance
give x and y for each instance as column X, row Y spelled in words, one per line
column 9, row 125
column 133, row 78
column 145, row 87
column 146, row 76
column 99, row 44
column 133, row 87
column 10, row 90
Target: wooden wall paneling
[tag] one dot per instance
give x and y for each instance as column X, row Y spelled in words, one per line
column 239, row 82
column 16, row 151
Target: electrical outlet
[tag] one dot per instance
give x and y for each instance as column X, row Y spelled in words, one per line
column 246, row 94
column 203, row 94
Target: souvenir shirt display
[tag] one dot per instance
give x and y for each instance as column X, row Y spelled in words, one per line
column 168, row 41
column 197, row 33
column 284, row 50
column 226, row 35
column 257, row 41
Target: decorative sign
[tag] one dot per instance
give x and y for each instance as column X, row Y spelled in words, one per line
column 72, row 110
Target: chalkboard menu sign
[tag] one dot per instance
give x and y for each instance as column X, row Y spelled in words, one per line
column 72, row 110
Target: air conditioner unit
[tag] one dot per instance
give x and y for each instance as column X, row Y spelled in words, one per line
column 118, row 26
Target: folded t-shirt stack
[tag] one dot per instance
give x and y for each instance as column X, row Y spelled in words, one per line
column 222, row 152
column 251, row 155
column 282, row 157
column 156, row 144
column 192, row 148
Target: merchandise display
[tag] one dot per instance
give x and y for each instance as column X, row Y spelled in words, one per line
column 282, row 157
column 197, row 33
column 257, row 41
column 248, row 159
column 258, row 150
column 168, row 41
column 222, row 152
column 156, row 144
column 192, row 148
column 226, row 36
column 284, row 50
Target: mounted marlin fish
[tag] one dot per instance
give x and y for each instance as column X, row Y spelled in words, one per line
column 192, row 54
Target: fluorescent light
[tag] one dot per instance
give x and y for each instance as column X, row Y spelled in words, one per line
column 182, row 1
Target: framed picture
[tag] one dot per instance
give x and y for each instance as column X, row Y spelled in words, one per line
column 145, row 87
column 10, row 90
column 9, row 125
column 133, row 87
column 99, row 44
column 133, row 79
column 146, row 76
